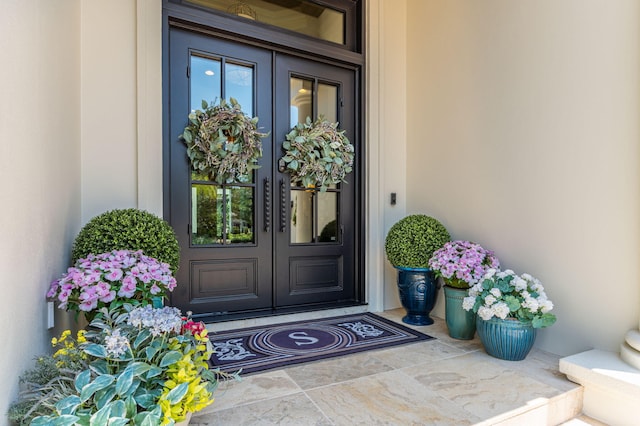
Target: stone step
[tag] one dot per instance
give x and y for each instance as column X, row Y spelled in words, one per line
column 542, row 411
column 611, row 386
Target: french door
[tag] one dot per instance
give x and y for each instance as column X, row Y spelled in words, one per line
column 265, row 245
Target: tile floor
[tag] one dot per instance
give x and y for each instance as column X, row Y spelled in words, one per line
column 438, row 382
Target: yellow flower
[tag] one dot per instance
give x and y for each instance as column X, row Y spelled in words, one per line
column 60, row 352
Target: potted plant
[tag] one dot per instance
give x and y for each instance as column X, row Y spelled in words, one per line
column 223, row 143
column 409, row 245
column 461, row 264
column 317, row 154
column 142, row 367
column 128, row 229
column 510, row 309
column 112, row 280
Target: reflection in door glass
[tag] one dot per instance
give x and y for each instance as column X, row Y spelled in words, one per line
column 240, row 217
column 301, row 216
column 205, row 81
column 221, row 215
column 327, row 216
column 206, row 209
column 301, row 100
column 328, row 102
column 239, row 85
column 314, row 216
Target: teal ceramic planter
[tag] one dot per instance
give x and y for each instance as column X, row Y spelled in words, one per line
column 460, row 323
column 508, row 339
column 418, row 292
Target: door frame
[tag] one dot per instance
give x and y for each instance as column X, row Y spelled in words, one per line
column 229, row 28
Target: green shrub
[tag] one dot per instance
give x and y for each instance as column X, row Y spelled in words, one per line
column 329, row 232
column 128, row 229
column 412, row 240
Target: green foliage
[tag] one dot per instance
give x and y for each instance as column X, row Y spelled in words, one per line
column 317, row 154
column 50, row 381
column 223, row 142
column 142, row 367
column 35, row 399
column 128, row 229
column 412, row 240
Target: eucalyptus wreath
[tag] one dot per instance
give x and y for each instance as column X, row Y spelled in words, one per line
column 223, row 142
column 317, row 154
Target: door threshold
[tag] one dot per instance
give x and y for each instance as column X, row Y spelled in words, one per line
column 279, row 317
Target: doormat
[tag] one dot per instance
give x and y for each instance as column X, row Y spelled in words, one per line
column 278, row 345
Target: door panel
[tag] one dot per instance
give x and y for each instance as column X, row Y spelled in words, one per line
column 226, row 250
column 316, row 246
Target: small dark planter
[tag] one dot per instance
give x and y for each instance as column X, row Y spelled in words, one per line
column 418, row 292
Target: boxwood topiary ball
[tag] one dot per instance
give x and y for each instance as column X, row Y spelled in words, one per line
column 128, row 229
column 412, row 240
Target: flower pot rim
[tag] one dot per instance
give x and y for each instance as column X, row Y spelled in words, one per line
column 406, row 268
column 510, row 319
column 456, row 288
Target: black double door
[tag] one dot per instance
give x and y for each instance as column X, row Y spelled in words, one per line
column 264, row 245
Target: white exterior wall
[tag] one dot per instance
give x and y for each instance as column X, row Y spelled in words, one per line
column 387, row 104
column 523, row 136
column 109, row 151
column 39, row 172
column 121, row 106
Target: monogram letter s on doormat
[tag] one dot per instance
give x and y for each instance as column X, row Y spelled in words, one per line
column 278, row 345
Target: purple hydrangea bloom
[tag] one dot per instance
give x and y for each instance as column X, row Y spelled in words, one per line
column 463, row 261
column 97, row 280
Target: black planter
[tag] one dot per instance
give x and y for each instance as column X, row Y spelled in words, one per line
column 418, row 292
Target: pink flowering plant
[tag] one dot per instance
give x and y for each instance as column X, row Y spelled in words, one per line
column 462, row 263
column 110, row 280
column 503, row 294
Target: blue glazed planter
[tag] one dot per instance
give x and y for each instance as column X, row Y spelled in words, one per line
column 460, row 323
column 418, row 291
column 157, row 302
column 507, row 339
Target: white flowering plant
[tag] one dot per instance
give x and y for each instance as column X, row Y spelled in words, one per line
column 144, row 366
column 504, row 294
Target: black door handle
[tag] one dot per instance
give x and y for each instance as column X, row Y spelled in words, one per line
column 283, row 207
column 267, row 205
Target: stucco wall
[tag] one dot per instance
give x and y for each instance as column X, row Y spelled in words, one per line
column 391, row 62
column 109, row 112
column 39, row 171
column 523, row 135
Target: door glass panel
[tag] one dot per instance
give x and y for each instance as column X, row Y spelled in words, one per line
column 301, row 16
column 221, row 214
column 301, row 100
column 328, row 102
column 240, row 201
column 327, row 216
column 301, row 216
column 239, row 85
column 206, row 217
column 205, row 81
